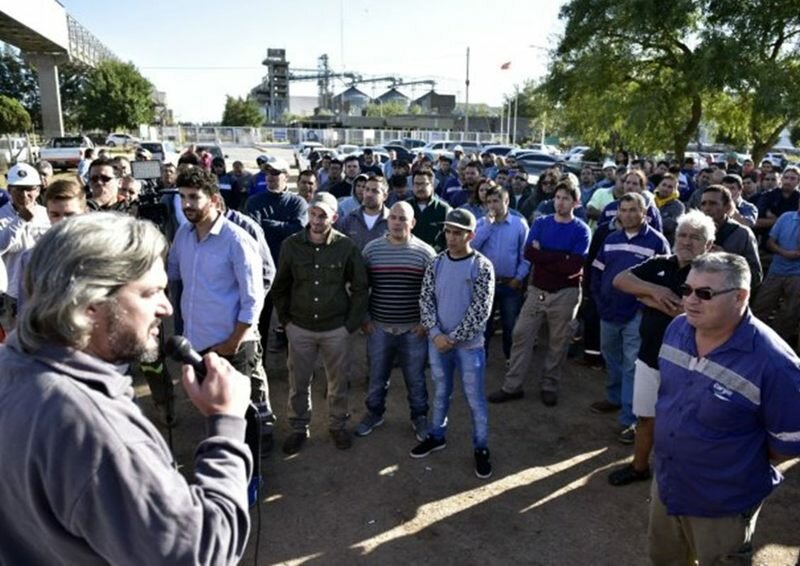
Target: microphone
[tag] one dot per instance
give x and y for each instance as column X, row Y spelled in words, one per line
column 180, row 349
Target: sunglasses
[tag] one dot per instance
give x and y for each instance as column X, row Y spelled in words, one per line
column 101, row 179
column 702, row 293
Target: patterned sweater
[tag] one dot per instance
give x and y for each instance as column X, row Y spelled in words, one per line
column 456, row 298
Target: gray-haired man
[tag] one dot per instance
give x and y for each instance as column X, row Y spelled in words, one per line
column 98, row 302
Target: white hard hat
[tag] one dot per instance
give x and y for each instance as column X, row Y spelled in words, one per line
column 23, row 175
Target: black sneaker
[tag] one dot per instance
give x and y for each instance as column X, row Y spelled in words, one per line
column 427, row 446
column 341, row 438
column 501, row 396
column 549, row 398
column 483, row 467
column 627, row 475
column 294, row 442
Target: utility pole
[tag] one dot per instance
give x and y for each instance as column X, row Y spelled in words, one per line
column 466, row 104
column 516, row 104
column 502, row 126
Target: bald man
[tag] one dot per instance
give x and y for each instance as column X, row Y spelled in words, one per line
column 396, row 265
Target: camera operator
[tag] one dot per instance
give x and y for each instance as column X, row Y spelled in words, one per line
column 91, row 479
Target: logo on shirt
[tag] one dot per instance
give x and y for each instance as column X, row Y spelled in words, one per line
column 722, row 392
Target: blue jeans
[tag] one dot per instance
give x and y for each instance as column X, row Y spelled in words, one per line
column 411, row 350
column 619, row 342
column 471, row 364
column 509, row 302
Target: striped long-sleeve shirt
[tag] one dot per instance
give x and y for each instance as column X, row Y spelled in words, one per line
column 395, row 278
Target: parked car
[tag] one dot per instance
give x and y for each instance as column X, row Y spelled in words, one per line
column 576, row 153
column 346, row 149
column 163, row 151
column 408, row 143
column 547, row 148
column 122, row 140
column 400, row 151
column 213, row 148
column 65, row 152
column 499, row 149
column 302, row 150
column 467, row 146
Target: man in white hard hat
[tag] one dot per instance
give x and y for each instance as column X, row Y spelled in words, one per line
column 22, row 222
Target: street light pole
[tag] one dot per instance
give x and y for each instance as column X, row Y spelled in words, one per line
column 466, row 110
column 516, row 105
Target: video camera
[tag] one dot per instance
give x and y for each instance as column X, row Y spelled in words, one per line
column 150, row 206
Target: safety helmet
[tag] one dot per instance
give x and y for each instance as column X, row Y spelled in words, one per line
column 23, row 175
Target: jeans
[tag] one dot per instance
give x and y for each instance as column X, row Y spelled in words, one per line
column 619, row 342
column 471, row 364
column 411, row 350
column 509, row 302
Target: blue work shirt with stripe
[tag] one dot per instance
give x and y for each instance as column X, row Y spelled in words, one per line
column 620, row 252
column 717, row 416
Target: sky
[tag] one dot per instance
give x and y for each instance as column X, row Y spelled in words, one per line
column 200, row 51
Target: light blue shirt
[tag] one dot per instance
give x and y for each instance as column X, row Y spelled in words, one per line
column 786, row 233
column 504, row 244
column 222, row 281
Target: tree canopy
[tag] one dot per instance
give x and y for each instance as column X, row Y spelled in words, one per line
column 14, row 119
column 644, row 75
column 242, row 112
column 116, row 95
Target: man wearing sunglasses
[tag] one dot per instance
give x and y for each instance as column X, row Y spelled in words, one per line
column 657, row 283
column 104, row 175
column 727, row 411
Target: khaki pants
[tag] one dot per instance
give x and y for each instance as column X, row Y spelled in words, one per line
column 772, row 290
column 681, row 540
column 558, row 309
column 304, row 346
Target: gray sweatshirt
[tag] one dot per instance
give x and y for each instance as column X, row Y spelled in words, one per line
column 87, row 479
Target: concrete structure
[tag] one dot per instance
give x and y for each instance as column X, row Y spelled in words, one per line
column 351, row 102
column 48, row 36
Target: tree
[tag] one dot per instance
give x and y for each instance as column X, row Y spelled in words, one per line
column 242, row 112
column 115, row 96
column 14, row 119
column 642, row 74
column 794, row 135
column 534, row 103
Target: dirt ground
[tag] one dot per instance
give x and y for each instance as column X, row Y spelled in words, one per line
column 548, row 502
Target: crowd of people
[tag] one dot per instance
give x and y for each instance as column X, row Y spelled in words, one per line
column 681, row 281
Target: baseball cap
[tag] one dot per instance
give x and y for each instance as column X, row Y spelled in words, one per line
column 461, row 219
column 23, row 175
column 609, row 164
column 326, row 202
column 278, row 164
column 263, row 158
column 458, row 148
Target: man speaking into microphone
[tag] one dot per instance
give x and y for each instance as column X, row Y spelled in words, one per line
column 86, row 477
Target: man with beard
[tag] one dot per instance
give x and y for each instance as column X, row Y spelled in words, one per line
column 95, row 300
column 470, row 180
column 220, row 269
column 429, row 211
column 104, row 176
column 321, row 295
column 369, row 221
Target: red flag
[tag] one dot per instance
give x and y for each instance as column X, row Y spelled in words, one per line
column 505, row 66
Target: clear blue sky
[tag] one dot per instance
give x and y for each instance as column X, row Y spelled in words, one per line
column 199, row 51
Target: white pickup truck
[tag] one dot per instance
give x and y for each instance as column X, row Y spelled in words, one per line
column 65, row 152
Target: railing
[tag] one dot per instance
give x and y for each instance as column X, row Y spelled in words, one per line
column 330, row 137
